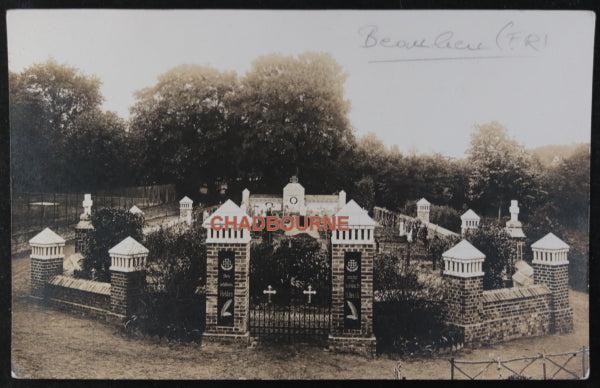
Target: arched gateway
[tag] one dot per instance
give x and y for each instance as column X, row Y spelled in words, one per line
column 346, row 323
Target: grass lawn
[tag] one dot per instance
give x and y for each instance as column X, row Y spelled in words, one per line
column 47, row 343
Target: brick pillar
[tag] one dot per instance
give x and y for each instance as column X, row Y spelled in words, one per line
column 47, row 256
column 127, row 275
column 463, row 278
column 551, row 267
column 227, row 277
column 352, row 254
column 423, row 208
column 185, row 209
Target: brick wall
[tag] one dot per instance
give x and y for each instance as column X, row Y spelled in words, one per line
column 504, row 314
column 125, row 291
column 556, row 277
column 241, row 292
column 79, row 292
column 464, row 299
column 42, row 270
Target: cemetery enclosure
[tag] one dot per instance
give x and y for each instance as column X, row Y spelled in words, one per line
column 39, row 332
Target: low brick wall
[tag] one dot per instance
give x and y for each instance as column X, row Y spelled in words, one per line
column 354, row 345
column 79, row 292
column 511, row 313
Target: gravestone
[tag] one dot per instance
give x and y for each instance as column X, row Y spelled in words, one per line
column 84, row 227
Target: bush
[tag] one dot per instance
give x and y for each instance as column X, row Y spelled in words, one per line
column 290, row 267
column 499, row 250
column 111, row 226
column 410, row 313
column 173, row 300
column 437, row 246
column 445, row 217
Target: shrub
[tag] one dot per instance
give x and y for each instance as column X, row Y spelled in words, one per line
column 290, row 266
column 111, row 226
column 437, row 246
column 445, row 217
column 499, row 250
column 410, row 313
column 173, row 300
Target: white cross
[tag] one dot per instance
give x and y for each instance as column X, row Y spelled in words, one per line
column 269, row 292
column 310, row 293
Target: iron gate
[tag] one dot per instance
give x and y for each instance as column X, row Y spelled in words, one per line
column 291, row 323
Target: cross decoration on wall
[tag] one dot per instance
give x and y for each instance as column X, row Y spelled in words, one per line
column 310, row 292
column 269, row 291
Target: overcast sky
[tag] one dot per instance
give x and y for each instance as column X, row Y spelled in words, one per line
column 532, row 71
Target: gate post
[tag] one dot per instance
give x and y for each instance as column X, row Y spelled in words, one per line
column 351, row 327
column 227, row 276
column 551, row 267
column 47, row 256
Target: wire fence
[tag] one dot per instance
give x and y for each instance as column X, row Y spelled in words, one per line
column 35, row 211
column 560, row 366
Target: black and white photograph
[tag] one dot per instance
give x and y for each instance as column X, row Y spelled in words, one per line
column 300, row 194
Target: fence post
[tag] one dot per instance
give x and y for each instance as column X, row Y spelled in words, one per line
column 583, row 361
column 42, row 212
column 452, row 368
column 544, row 366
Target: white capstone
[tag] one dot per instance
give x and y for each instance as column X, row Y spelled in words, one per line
column 550, row 250
column 47, row 245
column 222, row 224
column 463, row 260
column 361, row 227
column 135, row 210
column 128, row 256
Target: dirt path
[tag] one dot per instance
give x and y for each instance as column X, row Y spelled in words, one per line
column 52, row 344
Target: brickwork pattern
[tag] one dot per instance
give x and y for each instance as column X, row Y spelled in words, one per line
column 125, row 291
column 337, row 290
column 241, row 292
column 556, row 277
column 464, row 299
column 41, row 271
column 487, row 317
column 80, row 297
column 354, row 345
column 81, row 240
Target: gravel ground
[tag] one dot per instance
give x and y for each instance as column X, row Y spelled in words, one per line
column 47, row 343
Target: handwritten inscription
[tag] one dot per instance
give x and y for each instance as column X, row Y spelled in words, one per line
column 509, row 37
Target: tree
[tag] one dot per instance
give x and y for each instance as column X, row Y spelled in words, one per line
column 364, row 193
column 59, row 135
column 295, row 119
column 100, row 152
column 437, row 246
column 500, row 169
column 499, row 250
column 111, row 226
column 190, row 135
